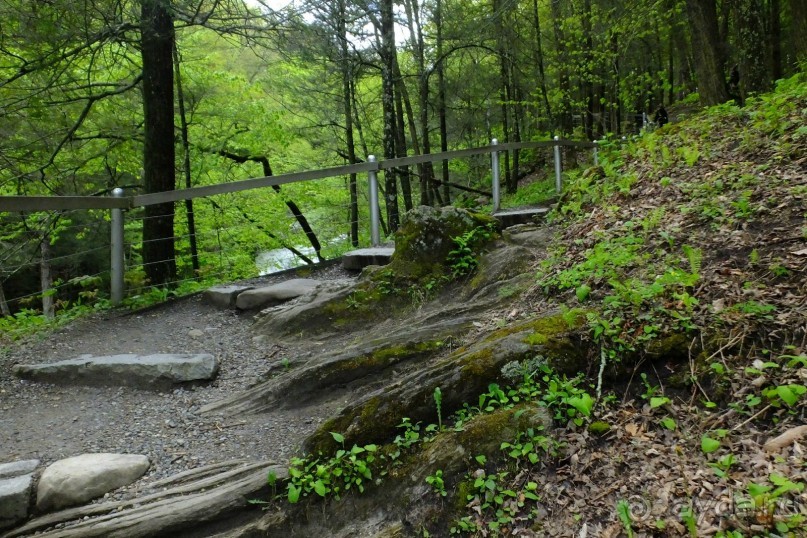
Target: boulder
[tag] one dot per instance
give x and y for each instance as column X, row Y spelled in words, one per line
column 15, row 496
column 76, row 480
column 145, row 371
column 275, row 294
column 224, row 296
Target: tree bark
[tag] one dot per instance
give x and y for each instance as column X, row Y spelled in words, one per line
column 751, row 41
column 186, row 167
column 441, row 94
column 798, row 17
column 46, row 278
column 388, row 106
column 565, row 114
column 159, row 174
column 347, row 108
column 539, row 52
column 710, row 60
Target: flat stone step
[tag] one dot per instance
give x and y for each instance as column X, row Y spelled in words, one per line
column 511, row 217
column 145, row 371
column 356, row 260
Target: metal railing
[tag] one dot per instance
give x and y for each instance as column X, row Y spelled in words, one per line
column 118, row 202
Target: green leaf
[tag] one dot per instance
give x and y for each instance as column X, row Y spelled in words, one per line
column 658, row 401
column 338, row 437
column 583, row 404
column 668, row 423
column 320, row 488
column 709, row 445
column 294, row 493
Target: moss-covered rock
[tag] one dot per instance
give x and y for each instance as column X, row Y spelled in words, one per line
column 461, row 376
column 424, row 240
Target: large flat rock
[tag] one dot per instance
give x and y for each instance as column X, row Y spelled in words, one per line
column 75, row 480
column 275, row 294
column 224, row 296
column 512, row 217
column 356, row 260
column 144, row 371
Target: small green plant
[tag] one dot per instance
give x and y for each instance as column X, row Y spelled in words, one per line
column 624, row 515
column 462, row 259
column 689, row 520
column 437, row 483
column 438, row 401
column 721, row 466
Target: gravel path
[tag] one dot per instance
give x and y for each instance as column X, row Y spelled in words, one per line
column 51, row 422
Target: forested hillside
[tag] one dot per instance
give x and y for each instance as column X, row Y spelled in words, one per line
column 158, row 95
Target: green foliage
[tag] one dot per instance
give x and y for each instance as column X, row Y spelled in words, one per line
column 437, row 483
column 624, row 515
column 464, row 257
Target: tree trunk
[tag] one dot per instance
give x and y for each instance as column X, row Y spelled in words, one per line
column 4, row 310
column 565, row 114
column 46, row 279
column 388, row 106
column 186, row 167
column 400, row 146
column 776, row 39
column 709, row 56
column 539, row 52
column 347, row 103
column 159, row 175
column 751, row 41
column 587, row 71
column 441, row 95
column 798, row 18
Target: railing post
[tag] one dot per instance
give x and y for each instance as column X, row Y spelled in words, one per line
column 375, row 235
column 116, row 240
column 596, row 153
column 494, row 165
column 557, row 165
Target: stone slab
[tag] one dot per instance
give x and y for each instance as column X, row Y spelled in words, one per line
column 15, row 497
column 17, row 468
column 144, row 371
column 511, row 217
column 224, row 296
column 76, row 480
column 276, row 293
column 356, row 260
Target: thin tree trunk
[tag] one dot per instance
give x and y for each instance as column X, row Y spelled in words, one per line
column 388, row 105
column 347, row 103
column 48, row 308
column 587, row 71
column 776, row 39
column 4, row 310
column 159, row 174
column 710, row 60
column 400, row 147
column 798, row 17
column 752, row 40
column 539, row 51
column 441, row 94
column 186, row 166
column 565, row 114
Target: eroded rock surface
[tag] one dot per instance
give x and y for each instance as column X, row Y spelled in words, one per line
column 275, row 294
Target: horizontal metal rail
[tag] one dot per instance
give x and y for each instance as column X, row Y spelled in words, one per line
column 57, row 203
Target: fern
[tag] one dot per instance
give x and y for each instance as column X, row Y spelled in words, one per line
column 695, row 257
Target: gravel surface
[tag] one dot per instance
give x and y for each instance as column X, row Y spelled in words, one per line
column 51, row 422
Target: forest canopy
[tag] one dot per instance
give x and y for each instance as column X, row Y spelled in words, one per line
column 155, row 95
